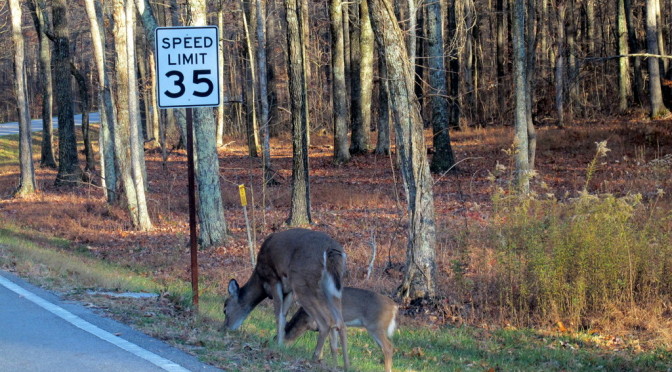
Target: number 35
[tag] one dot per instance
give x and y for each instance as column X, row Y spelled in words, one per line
column 196, row 79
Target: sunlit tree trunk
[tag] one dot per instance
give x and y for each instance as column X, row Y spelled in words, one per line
column 339, row 89
column 137, row 148
column 361, row 122
column 122, row 130
column 220, row 50
column 520, row 113
column 250, row 92
column 27, row 183
column 420, row 272
column 530, row 66
column 300, row 204
column 69, row 171
column 655, row 90
column 624, row 89
column 212, row 224
column 106, row 106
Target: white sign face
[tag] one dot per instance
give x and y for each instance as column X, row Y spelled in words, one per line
column 187, row 66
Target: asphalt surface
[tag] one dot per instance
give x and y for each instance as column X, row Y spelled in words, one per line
column 36, row 124
column 41, row 332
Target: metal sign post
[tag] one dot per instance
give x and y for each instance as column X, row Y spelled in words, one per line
column 187, row 73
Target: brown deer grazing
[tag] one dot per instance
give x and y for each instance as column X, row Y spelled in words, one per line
column 305, row 264
column 361, row 308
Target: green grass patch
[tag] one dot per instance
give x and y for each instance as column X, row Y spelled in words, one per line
column 57, row 263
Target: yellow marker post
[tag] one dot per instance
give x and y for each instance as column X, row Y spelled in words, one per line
column 243, row 203
column 243, row 197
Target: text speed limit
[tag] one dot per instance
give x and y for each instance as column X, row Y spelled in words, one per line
column 187, row 66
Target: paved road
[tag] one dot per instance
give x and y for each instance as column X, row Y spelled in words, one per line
column 36, row 124
column 39, row 332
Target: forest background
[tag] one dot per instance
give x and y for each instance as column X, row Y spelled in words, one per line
column 549, row 197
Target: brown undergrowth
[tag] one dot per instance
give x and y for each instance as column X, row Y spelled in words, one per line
column 362, row 205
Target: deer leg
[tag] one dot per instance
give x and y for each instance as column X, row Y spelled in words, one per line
column 385, row 344
column 333, row 344
column 280, row 312
column 344, row 344
column 321, row 338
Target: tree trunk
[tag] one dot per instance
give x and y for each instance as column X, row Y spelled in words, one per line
column 560, row 66
column 27, row 183
column 249, row 18
column 262, row 73
column 361, row 123
column 106, row 105
column 420, row 272
column 300, row 204
column 122, row 130
column 68, row 166
column 136, row 143
column 635, row 47
column 443, row 159
column 212, row 224
column 383, row 144
column 658, row 108
column 339, row 92
column 38, row 12
column 520, row 76
column 220, row 50
column 591, row 35
column 530, row 61
column 453, row 70
column 469, row 61
column 624, row 88
column 85, row 99
column 500, row 35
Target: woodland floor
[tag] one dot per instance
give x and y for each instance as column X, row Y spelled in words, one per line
column 360, row 203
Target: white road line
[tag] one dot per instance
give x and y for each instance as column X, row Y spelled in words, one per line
column 94, row 330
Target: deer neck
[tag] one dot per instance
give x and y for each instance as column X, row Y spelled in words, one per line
column 252, row 293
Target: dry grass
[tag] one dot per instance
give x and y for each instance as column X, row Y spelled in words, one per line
column 361, row 204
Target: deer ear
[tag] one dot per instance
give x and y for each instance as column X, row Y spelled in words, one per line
column 233, row 288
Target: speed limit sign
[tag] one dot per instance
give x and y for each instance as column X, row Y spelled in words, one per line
column 187, row 66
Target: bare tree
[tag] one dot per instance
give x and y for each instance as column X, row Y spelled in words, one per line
column 41, row 21
column 69, row 171
column 124, row 122
column 212, row 224
column 27, row 183
column 361, row 118
column 338, row 88
column 300, row 204
column 136, row 143
column 521, row 114
column 262, row 73
column 383, row 143
column 624, row 88
column 106, row 106
column 655, row 90
column 443, row 159
column 419, row 275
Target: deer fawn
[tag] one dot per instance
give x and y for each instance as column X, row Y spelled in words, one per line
column 305, row 264
column 361, row 308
